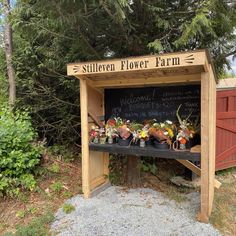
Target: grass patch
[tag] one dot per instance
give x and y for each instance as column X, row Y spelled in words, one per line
column 68, row 208
column 224, row 208
column 38, row 226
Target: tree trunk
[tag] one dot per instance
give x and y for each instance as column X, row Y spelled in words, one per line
column 8, row 52
column 133, row 171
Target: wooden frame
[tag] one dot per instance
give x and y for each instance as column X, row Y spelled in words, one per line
column 151, row 70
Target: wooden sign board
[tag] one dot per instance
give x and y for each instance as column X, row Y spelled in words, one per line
column 143, row 63
column 161, row 103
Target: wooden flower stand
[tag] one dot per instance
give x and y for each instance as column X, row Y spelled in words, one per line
column 149, row 86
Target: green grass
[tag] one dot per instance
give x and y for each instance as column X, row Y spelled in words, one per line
column 37, row 227
column 68, row 208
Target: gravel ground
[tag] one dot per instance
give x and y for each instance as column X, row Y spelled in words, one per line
column 136, row 212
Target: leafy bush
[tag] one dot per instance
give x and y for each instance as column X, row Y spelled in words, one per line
column 18, row 154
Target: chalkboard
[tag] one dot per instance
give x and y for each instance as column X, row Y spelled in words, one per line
column 161, row 103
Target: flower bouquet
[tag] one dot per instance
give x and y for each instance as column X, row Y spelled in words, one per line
column 185, row 131
column 94, row 134
column 111, row 131
column 122, row 127
column 102, row 136
column 144, row 135
column 135, row 129
column 163, row 134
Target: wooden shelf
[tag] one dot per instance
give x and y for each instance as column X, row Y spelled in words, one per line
column 147, row 151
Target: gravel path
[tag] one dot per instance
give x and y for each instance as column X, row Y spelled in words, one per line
column 136, row 212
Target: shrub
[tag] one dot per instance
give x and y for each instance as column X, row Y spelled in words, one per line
column 18, row 155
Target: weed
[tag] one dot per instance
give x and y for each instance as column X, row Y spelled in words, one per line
column 56, row 187
column 20, row 214
column 68, row 208
column 38, row 227
column 55, row 168
column 67, row 194
column 23, row 197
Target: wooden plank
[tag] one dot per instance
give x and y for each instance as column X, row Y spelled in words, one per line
column 226, row 126
column 226, row 164
column 226, row 93
column 231, row 103
column 197, row 170
column 196, row 149
column 142, row 63
column 226, row 153
column 147, row 151
column 205, row 188
column 95, row 118
column 136, row 82
column 226, row 115
column 84, row 138
column 98, row 181
column 212, row 127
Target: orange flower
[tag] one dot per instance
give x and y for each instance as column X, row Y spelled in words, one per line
column 182, row 140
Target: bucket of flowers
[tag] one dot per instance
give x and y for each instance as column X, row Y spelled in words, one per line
column 124, row 133
column 144, row 135
column 94, row 134
column 135, row 129
column 102, row 136
column 111, row 131
column 163, row 134
column 186, row 132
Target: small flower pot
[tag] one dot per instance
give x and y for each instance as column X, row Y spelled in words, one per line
column 124, row 142
column 162, row 146
column 102, row 140
column 110, row 140
column 142, row 143
column 149, row 142
column 96, row 140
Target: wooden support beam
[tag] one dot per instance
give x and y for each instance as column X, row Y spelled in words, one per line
column 135, row 82
column 84, row 138
column 197, row 170
column 95, row 119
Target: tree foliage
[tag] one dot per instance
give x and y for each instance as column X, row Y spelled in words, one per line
column 50, row 34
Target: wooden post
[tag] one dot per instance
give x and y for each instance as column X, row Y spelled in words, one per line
column 133, row 171
column 207, row 145
column 84, row 138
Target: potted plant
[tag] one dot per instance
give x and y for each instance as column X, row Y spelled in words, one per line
column 135, row 129
column 94, row 134
column 163, row 134
column 185, row 131
column 123, row 131
column 144, row 135
column 102, row 136
column 111, row 131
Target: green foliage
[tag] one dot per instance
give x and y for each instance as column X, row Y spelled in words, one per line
column 56, row 187
column 50, row 34
column 55, row 168
column 19, row 156
column 148, row 167
column 68, row 208
column 20, row 214
column 37, row 227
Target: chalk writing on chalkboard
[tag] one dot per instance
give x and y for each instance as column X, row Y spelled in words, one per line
column 158, row 103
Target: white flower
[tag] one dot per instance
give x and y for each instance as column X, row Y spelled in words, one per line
column 169, row 122
column 162, row 125
column 166, row 133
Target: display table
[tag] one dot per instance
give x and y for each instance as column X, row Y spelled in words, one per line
column 146, row 151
